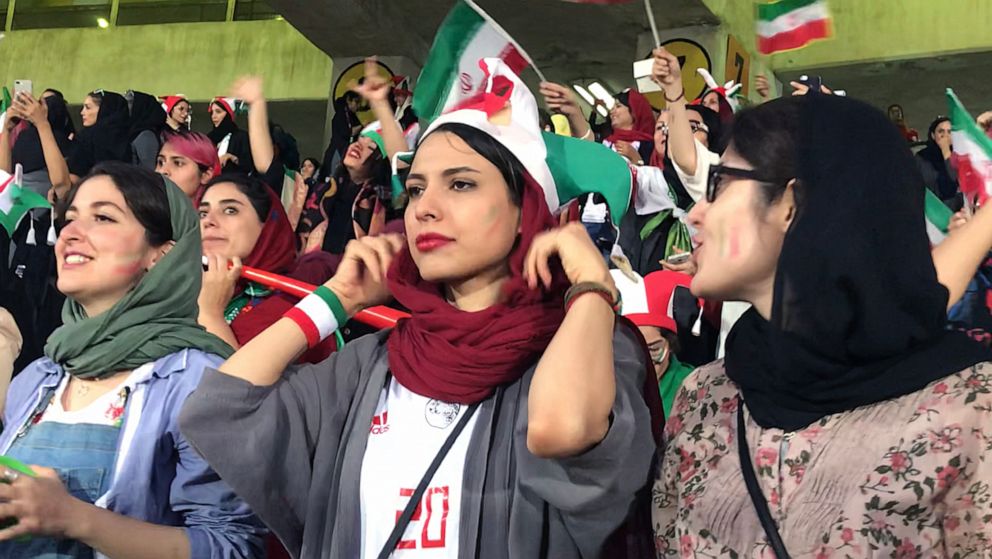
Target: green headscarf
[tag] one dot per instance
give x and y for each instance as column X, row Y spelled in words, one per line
column 156, row 318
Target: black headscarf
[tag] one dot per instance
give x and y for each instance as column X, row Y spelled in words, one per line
column 947, row 184
column 713, row 124
column 107, row 139
column 226, row 126
column 146, row 114
column 858, row 316
column 27, row 150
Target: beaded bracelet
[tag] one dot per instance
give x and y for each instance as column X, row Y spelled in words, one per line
column 318, row 315
column 582, row 288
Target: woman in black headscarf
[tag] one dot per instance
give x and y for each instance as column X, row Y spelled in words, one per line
column 233, row 145
column 846, row 418
column 28, row 150
column 104, row 137
column 147, row 122
column 935, row 160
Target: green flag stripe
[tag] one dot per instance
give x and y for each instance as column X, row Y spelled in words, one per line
column 770, row 11
column 936, row 211
column 440, row 71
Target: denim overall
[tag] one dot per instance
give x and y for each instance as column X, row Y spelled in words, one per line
column 83, row 455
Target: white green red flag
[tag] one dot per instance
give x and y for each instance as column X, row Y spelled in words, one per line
column 16, row 202
column 791, row 24
column 938, row 216
column 972, row 155
column 452, row 72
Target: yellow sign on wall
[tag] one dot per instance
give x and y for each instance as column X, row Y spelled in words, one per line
column 738, row 64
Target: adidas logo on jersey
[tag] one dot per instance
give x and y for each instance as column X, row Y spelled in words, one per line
column 380, row 423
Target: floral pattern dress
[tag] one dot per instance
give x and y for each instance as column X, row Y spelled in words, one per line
column 904, row 478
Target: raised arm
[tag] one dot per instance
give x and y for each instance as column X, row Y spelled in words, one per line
column 250, row 90
column 36, row 112
column 574, row 386
column 561, row 100
column 375, row 90
column 958, row 257
column 667, row 73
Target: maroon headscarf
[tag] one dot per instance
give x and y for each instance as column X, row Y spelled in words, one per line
column 461, row 357
column 643, row 116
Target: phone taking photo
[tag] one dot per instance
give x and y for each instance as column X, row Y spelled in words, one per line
column 680, row 258
column 27, row 86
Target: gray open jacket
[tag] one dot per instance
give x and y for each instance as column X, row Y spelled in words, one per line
column 294, row 450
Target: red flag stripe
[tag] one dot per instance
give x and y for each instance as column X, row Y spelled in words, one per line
column 798, row 37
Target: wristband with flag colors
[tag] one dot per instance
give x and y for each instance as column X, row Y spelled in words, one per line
column 318, row 315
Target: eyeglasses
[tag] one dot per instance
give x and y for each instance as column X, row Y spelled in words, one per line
column 717, row 172
column 699, row 126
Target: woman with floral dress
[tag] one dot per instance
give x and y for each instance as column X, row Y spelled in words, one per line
column 862, row 420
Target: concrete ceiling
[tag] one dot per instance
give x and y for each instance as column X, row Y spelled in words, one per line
column 567, row 40
column 917, row 84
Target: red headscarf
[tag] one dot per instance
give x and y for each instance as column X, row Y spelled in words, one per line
column 461, row 357
column 643, row 116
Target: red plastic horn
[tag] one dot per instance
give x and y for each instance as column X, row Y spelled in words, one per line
column 376, row 317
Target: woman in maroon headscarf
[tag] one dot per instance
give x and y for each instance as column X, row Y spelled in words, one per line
column 242, row 221
column 510, row 405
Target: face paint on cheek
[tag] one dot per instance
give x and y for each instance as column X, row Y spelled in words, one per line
column 734, row 243
column 127, row 265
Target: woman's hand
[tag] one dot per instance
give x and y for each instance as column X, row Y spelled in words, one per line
column 579, row 257
column 374, row 88
column 228, row 158
column 41, row 505
column 560, row 99
column 249, row 89
column 688, row 267
column 218, row 285
column 628, row 151
column 667, row 72
column 958, row 220
column 762, row 86
column 360, row 281
column 30, row 109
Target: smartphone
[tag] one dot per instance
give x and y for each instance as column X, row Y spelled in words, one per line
column 680, row 258
column 23, row 85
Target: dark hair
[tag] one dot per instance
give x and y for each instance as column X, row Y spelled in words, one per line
column 894, row 106
column 97, row 95
column 144, row 193
column 316, row 165
column 381, row 171
column 496, row 153
column 716, row 134
column 766, row 136
column 351, row 96
column 256, row 191
column 933, row 125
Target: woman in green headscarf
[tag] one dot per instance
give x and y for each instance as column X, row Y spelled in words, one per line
column 97, row 416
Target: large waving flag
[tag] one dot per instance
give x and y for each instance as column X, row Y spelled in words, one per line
column 452, row 72
column 15, row 201
column 791, row 24
column 972, row 154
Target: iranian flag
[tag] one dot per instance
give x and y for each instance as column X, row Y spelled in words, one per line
column 452, row 72
column 938, row 216
column 791, row 24
column 15, row 201
column 972, row 155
